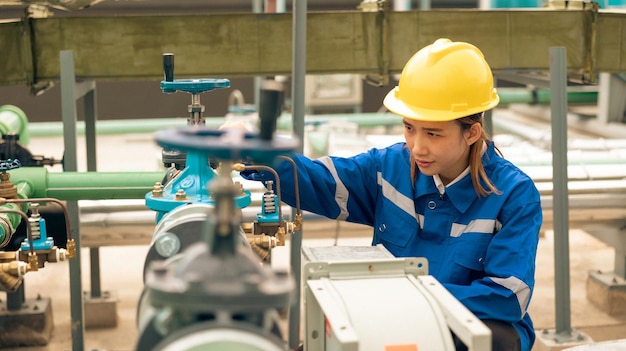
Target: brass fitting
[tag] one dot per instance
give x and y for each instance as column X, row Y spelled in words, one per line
column 247, row 228
column 297, row 222
column 9, row 282
column 261, row 245
column 280, row 236
column 7, row 256
column 33, row 262
column 7, row 189
column 56, row 255
column 70, row 249
column 14, row 268
column 11, row 274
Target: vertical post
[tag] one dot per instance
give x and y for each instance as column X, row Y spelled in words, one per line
column 257, row 7
column 90, row 138
column 297, row 97
column 558, row 106
column 68, row 110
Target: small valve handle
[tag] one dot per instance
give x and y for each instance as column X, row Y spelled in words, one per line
column 270, row 107
column 168, row 66
column 192, row 86
column 6, row 165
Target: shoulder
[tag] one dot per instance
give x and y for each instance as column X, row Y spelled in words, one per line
column 394, row 150
column 509, row 178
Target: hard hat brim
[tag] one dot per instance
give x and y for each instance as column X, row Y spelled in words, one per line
column 397, row 106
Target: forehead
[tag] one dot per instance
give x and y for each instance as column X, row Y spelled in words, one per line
column 447, row 125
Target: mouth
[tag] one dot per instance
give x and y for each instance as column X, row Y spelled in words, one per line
column 423, row 164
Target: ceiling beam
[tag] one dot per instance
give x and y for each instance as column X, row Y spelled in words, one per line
column 370, row 43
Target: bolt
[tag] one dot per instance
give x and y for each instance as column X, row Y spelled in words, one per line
column 34, row 209
column 181, row 195
column 157, row 190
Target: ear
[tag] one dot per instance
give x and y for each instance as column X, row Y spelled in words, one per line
column 474, row 133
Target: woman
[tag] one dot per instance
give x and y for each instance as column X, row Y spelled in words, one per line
column 445, row 194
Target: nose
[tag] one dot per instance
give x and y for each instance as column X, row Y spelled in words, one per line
column 418, row 146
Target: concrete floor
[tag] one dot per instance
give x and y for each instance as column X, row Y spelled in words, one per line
column 121, row 267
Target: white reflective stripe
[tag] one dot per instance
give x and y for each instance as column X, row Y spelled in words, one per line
column 521, row 290
column 405, row 203
column 341, row 193
column 485, row 226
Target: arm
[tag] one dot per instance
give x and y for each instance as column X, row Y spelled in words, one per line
column 334, row 187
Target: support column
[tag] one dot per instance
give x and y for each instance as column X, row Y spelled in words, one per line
column 68, row 109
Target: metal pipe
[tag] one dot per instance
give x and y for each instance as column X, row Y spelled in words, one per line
column 558, row 85
column 13, row 120
column 91, row 116
column 149, row 125
column 295, row 182
column 298, row 108
column 85, row 185
column 68, row 112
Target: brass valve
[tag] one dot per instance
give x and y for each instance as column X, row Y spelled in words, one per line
column 33, row 262
column 70, row 249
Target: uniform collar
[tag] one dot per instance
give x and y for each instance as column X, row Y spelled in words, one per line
column 461, row 190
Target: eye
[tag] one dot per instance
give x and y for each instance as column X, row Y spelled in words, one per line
column 408, row 127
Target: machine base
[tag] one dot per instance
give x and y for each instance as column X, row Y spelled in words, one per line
column 100, row 312
column 30, row 326
column 607, row 292
column 549, row 340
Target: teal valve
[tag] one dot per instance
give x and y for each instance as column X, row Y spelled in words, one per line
column 192, row 86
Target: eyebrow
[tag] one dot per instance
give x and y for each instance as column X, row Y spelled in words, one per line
column 404, row 121
column 433, row 129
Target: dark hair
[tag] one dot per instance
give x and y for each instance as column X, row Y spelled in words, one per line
column 477, row 170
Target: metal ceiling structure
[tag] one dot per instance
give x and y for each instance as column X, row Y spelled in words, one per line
column 248, row 44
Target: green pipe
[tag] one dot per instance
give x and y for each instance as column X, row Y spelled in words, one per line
column 115, row 127
column 84, row 185
column 13, row 120
column 542, row 96
column 150, row 125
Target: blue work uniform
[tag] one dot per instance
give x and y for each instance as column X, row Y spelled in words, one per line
column 482, row 249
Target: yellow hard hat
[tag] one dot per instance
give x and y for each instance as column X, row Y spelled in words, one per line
column 442, row 82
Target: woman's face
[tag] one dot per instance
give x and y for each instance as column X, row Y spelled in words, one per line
column 440, row 147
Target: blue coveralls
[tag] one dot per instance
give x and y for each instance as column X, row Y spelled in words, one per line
column 482, row 249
